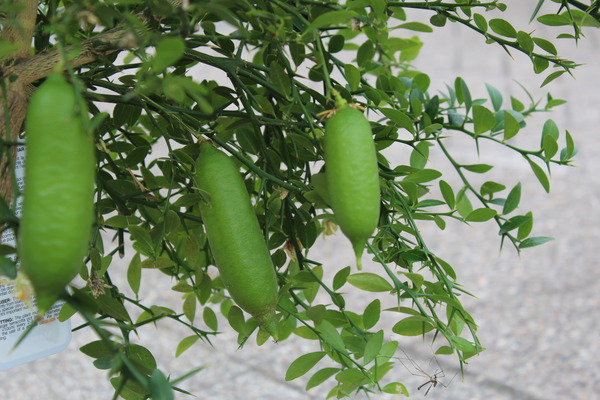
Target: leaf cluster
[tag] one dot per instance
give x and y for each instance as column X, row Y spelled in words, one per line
column 254, row 76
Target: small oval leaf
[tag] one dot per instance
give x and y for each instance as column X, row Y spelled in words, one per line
column 369, row 282
column 303, row 364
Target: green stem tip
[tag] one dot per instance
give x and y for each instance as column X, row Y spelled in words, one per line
column 359, row 247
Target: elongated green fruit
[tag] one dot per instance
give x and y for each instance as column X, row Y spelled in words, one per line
column 58, row 204
column 235, row 237
column 352, row 176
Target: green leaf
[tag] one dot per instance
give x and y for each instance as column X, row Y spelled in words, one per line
column 554, row 20
column 503, row 28
column 373, row 346
column 142, row 357
column 525, row 228
column 8, row 268
column 463, row 95
column 481, row 22
column 447, row 194
column 525, row 41
column 210, row 318
column 514, row 223
column 129, row 389
column 369, row 282
column 513, row 199
column 422, row 176
column 550, row 129
column 481, row 215
column 463, row 204
column 413, row 326
column 113, row 307
column 570, row 150
column 352, row 75
column 545, row 45
column 316, row 313
column 321, row 376
column 534, row 241
column 417, row 279
column 341, row 17
column 185, row 344
column 540, row 64
column 158, row 263
column 336, row 43
column 416, row 26
column 280, row 79
column 550, row 147
column 438, row 20
column 552, row 77
column 483, row 119
column 235, row 317
column 134, row 273
column 168, row 51
column 511, row 125
column 350, row 379
column 303, row 364
column 319, row 181
column 478, row 168
column 540, row 175
column 584, row 18
column 189, row 307
column 331, row 335
column 6, row 214
column 395, row 388
column 96, row 349
column 371, row 314
column 400, row 118
column 495, row 96
column 66, row 312
column 365, row 53
column 516, row 104
column 341, row 277
column 420, row 155
column 159, row 386
column 489, row 188
column 143, row 239
column 462, row 344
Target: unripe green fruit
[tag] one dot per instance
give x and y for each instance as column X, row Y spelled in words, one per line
column 352, row 176
column 58, row 206
column 236, row 240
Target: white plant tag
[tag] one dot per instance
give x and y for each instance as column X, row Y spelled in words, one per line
column 49, row 336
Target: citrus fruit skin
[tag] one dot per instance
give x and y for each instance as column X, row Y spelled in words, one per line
column 235, row 238
column 58, row 206
column 352, row 175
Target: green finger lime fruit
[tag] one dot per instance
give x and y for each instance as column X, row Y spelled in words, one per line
column 352, row 175
column 58, row 206
column 236, row 240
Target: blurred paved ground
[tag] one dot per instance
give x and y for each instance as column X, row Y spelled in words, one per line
column 538, row 314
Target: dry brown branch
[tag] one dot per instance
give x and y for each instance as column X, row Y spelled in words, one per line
column 20, row 33
column 21, row 30
column 21, row 71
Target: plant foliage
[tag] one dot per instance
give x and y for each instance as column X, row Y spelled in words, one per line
column 254, row 77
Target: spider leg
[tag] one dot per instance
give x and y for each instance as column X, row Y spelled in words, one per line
column 429, row 388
